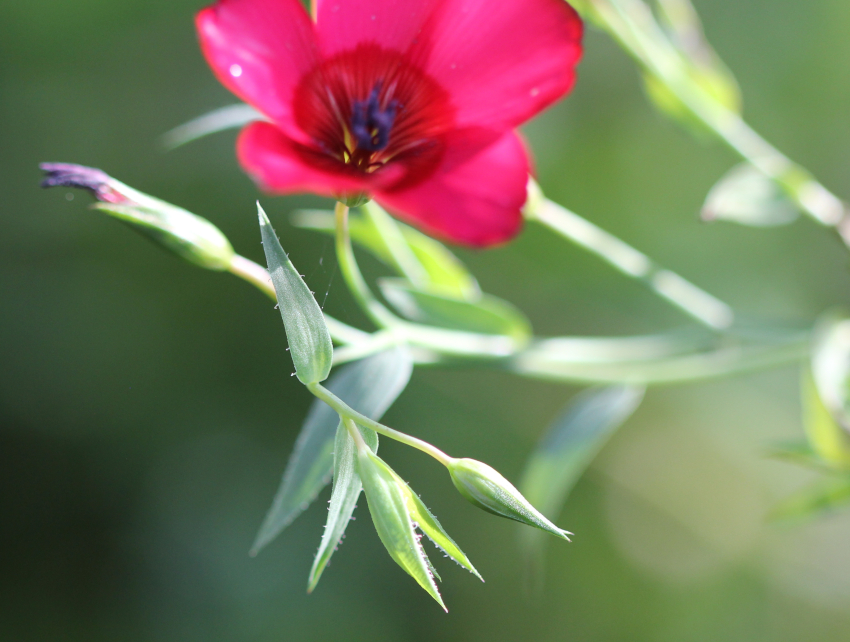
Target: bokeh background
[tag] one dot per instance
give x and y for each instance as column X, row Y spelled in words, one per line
column 147, row 408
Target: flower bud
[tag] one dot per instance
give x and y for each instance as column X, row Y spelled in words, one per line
column 187, row 235
column 487, row 489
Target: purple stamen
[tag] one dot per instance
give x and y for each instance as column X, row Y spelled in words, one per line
column 370, row 124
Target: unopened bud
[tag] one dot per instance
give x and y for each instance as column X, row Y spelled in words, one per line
column 187, row 235
column 486, row 488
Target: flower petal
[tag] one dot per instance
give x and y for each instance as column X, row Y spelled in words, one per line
column 502, row 62
column 473, row 200
column 283, row 166
column 260, row 49
column 391, row 24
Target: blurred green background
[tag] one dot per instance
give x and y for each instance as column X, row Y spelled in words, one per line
column 146, row 407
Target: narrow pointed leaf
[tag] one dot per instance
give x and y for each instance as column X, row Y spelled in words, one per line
column 309, row 341
column 388, row 500
column 443, row 269
column 370, row 386
column 346, row 490
column 487, row 315
column 392, row 238
column 431, row 527
column 567, row 449
column 230, row 117
column 827, row 438
column 800, row 453
column 825, row 495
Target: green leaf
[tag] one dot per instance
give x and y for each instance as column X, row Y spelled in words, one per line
column 346, row 490
column 428, row 524
column 392, row 238
column 800, row 453
column 444, row 271
column 487, row 315
column 825, row 495
column 827, row 438
column 679, row 41
column 746, row 196
column 389, row 501
column 230, row 117
column 370, row 386
column 831, row 366
column 309, row 341
column 567, row 449
column 683, row 26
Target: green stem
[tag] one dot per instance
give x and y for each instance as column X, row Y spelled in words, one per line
column 631, row 23
column 351, row 427
column 372, row 344
column 696, row 302
column 352, row 275
column 398, row 248
column 537, row 362
column 346, row 412
column 256, row 275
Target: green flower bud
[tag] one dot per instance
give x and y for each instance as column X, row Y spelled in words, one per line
column 187, row 235
column 487, row 489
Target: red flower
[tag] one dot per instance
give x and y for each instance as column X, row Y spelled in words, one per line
column 411, row 102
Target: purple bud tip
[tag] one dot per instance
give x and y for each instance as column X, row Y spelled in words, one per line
column 68, row 175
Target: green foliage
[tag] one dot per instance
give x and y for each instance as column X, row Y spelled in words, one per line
column 212, row 122
column 800, row 453
column 831, row 367
column 700, row 65
column 827, row 438
column 390, row 504
column 346, row 490
column 370, row 386
column 309, row 342
column 431, row 527
column 824, row 495
column 442, row 268
column 567, row 449
column 486, row 315
column 745, row 195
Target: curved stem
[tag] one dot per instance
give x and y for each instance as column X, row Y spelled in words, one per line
column 351, row 427
column 702, row 306
column 538, row 363
column 371, row 344
column 351, row 272
column 345, row 411
column 632, row 24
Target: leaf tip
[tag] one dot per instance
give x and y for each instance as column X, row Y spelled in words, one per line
column 264, row 220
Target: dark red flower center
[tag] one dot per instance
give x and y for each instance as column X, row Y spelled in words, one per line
column 368, row 109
